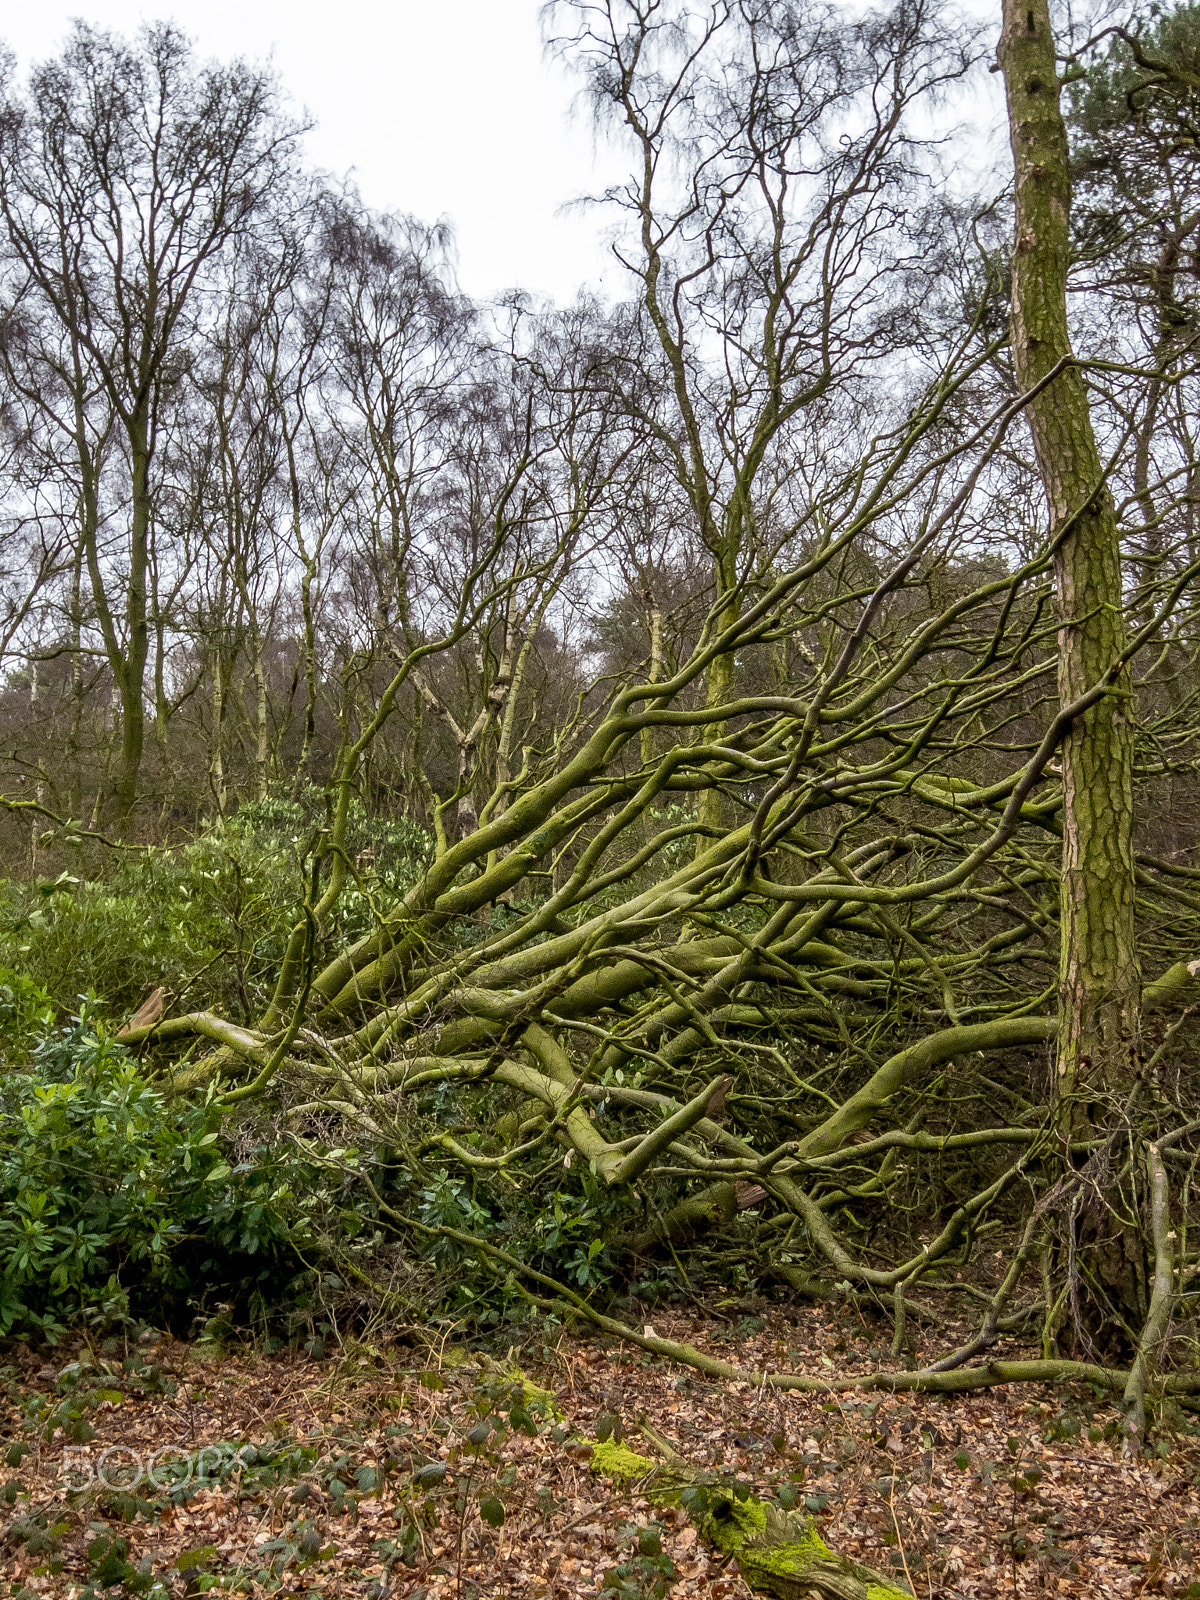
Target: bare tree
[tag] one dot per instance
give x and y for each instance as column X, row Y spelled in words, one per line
column 124, row 172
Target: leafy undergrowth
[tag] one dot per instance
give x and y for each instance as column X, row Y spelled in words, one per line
column 368, row 1474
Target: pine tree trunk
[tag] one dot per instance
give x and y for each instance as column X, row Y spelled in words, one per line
column 1099, row 973
column 1099, row 982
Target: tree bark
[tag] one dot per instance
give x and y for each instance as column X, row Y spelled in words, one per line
column 1099, row 979
column 1097, row 1251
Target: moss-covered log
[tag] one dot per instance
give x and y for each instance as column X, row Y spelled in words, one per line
column 712, row 1207
column 778, row 1552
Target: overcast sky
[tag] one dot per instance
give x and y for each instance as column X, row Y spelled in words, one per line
column 443, row 110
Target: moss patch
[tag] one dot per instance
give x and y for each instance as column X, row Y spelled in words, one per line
column 733, row 1522
column 619, row 1462
column 743, row 1528
column 533, row 1394
column 783, row 1559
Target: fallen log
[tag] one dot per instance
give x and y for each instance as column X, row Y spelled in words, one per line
column 778, row 1552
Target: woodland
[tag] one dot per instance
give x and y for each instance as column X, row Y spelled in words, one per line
column 525, row 822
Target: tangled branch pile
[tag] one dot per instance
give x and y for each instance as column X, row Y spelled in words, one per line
column 793, row 668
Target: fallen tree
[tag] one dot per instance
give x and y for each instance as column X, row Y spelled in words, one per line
column 781, row 914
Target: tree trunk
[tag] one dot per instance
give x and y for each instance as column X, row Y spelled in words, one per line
column 39, row 794
column 309, row 653
column 1099, row 980
column 710, row 811
column 216, row 759
column 655, row 672
column 261, row 717
column 132, row 676
column 162, row 701
column 1098, row 1250
column 75, row 729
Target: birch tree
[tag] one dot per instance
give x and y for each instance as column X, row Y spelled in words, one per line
column 125, row 170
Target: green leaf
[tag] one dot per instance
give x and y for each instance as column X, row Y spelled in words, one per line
column 608, row 1426
column 492, row 1511
column 200, row 1557
column 694, row 1500
column 649, row 1542
column 218, row 1174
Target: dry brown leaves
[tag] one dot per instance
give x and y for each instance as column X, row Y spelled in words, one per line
column 1016, row 1493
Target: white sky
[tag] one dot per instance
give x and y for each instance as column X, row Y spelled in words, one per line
column 443, row 110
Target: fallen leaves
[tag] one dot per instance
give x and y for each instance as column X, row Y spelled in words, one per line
column 376, row 1474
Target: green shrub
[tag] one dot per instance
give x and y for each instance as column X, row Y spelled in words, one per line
column 392, row 850
column 114, row 1199
column 208, row 920
column 26, row 1011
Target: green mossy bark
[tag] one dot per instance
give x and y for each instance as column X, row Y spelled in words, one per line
column 1099, row 980
column 778, row 1552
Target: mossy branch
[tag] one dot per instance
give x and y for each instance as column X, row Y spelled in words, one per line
column 659, row 1139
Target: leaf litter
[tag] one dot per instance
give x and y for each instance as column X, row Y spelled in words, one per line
column 436, row 1474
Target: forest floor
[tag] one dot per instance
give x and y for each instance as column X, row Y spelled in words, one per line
column 382, row 1471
